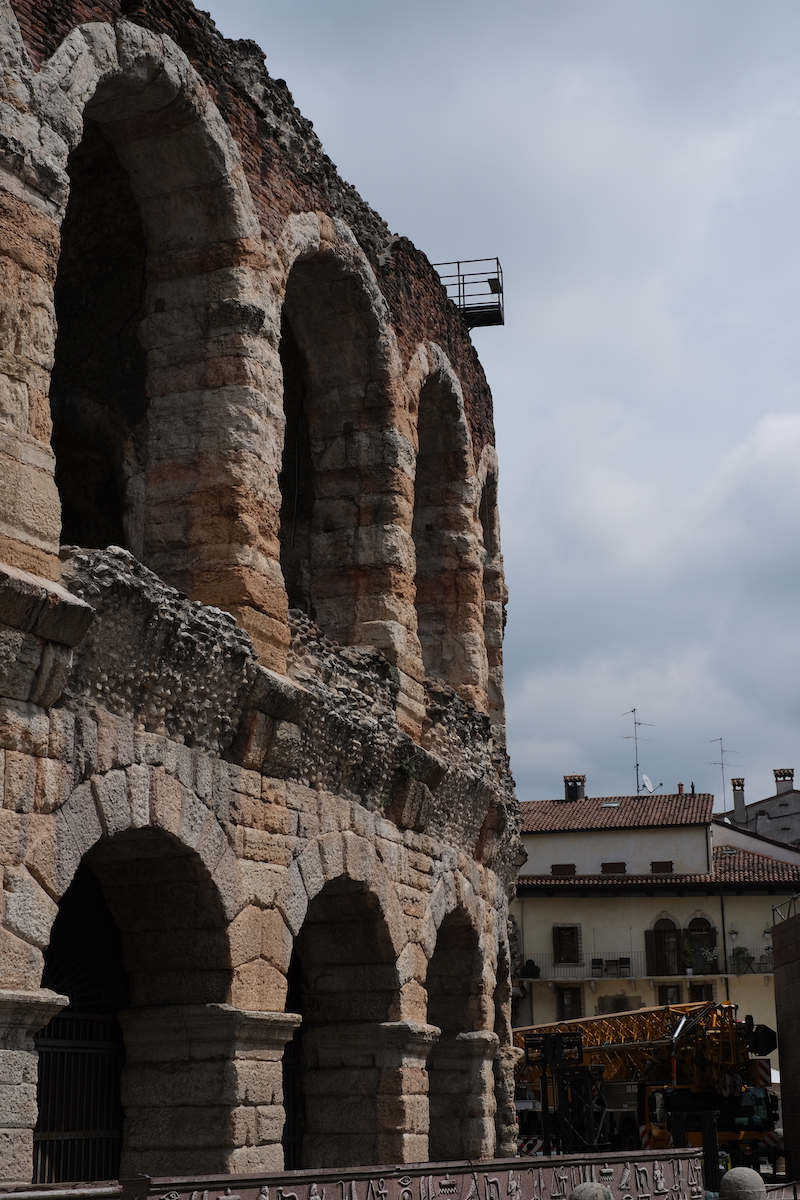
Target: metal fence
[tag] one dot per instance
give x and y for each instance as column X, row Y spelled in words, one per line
column 476, row 288
column 633, row 964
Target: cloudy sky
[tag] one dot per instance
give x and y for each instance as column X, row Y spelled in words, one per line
column 635, row 164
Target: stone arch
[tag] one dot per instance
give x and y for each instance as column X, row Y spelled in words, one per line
column 345, row 470
column 172, row 884
column 343, row 980
column 448, row 582
column 193, row 497
column 330, row 857
column 461, row 1086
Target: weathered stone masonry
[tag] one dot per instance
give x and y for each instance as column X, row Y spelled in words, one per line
column 252, row 765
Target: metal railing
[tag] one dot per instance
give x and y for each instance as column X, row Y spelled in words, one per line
column 633, row 964
column 600, row 965
column 475, row 286
column 789, row 908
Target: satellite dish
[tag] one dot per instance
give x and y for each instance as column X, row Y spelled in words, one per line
column 647, row 783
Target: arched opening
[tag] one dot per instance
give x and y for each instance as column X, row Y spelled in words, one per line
column 448, row 575
column 140, row 947
column 337, row 474
column 98, row 385
column 700, row 938
column 455, row 1006
column 445, row 593
column 663, row 948
column 78, row 1133
column 343, row 982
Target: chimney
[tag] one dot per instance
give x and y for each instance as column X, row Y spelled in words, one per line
column 574, row 787
column 739, row 815
column 784, row 779
column 680, row 789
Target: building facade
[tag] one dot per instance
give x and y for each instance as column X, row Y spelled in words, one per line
column 632, row 901
column 777, row 816
column 257, row 829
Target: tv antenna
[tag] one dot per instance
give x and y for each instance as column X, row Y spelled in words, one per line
column 636, row 740
column 721, row 765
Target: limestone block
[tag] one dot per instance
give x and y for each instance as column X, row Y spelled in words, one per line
column 16, row 1153
column 17, row 1067
column 19, row 781
column 18, row 1106
column 262, row 882
column 28, row 911
column 54, row 669
column 276, row 940
column 115, row 747
column 284, row 749
column 23, row 727
column 245, row 935
column 255, row 1160
column 137, row 779
column 254, row 1082
column 111, row 795
column 258, row 985
column 20, row 657
column 20, row 963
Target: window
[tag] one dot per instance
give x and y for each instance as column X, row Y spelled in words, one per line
column 669, row 993
column 569, row 1003
column 612, row 868
column 701, row 991
column 702, row 938
column 562, row 869
column 662, row 946
column 662, row 867
column 566, row 944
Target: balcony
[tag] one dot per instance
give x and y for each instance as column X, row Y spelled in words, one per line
column 600, row 965
column 476, row 288
column 634, row 964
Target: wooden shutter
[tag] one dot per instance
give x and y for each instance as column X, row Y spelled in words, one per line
column 650, row 951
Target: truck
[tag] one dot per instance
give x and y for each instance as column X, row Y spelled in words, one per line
column 648, row 1078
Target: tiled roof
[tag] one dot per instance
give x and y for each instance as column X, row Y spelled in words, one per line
column 730, row 866
column 616, row 812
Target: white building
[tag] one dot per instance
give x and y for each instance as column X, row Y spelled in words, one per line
column 630, row 901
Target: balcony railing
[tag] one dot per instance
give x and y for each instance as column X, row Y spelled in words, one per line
column 476, row 287
column 634, row 965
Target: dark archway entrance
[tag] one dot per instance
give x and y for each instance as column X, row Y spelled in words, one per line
column 456, row 1062
column 140, row 946
column 79, row 1131
column 97, row 391
column 343, row 982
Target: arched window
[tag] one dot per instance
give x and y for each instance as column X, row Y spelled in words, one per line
column 700, row 942
column 662, row 944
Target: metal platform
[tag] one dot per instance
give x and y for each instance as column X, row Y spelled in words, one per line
column 475, row 286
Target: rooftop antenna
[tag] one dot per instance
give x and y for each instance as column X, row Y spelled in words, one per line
column 635, row 736
column 721, row 765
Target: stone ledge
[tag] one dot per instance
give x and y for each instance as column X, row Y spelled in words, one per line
column 41, row 607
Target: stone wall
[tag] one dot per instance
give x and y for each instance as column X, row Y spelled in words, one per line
column 268, row 732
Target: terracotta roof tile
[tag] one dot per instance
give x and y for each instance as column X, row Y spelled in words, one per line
column 616, row 812
column 730, row 865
